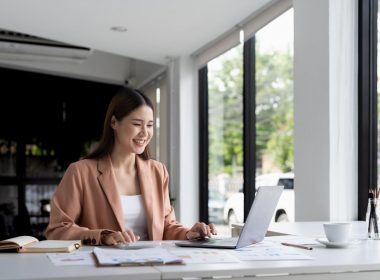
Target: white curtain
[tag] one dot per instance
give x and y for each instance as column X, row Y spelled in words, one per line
column 343, row 110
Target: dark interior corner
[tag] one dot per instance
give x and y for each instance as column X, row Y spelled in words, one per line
column 46, row 122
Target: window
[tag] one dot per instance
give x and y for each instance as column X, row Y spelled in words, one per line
column 246, row 133
column 225, row 131
column 274, row 104
column 274, row 96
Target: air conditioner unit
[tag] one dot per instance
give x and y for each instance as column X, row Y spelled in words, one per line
column 22, row 47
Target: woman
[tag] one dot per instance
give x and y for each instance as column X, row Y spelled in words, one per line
column 117, row 194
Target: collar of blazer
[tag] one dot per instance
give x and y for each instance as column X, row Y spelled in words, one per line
column 107, row 181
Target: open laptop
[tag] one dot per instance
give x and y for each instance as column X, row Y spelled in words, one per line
column 255, row 227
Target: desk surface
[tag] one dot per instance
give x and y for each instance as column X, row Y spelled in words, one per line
column 38, row 266
column 355, row 262
column 363, row 257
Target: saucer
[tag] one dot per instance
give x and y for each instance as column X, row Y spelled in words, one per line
column 329, row 244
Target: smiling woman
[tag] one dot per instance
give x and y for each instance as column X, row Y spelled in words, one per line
column 119, row 178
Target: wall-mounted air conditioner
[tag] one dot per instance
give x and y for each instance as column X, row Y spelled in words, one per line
column 22, row 47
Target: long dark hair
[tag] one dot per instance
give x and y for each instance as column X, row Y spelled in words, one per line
column 122, row 104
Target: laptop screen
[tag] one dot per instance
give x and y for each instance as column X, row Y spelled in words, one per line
column 255, row 227
column 260, row 215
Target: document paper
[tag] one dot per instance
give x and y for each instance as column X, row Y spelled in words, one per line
column 149, row 256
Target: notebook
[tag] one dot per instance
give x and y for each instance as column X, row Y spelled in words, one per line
column 30, row 244
column 255, row 227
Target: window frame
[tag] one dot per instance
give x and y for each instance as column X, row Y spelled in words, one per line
column 249, row 123
column 367, row 102
column 203, row 144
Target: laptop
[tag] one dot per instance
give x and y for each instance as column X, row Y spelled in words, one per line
column 255, row 227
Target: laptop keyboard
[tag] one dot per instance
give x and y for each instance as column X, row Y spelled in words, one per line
column 209, row 240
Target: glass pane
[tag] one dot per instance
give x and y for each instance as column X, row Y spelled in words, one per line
column 37, row 200
column 274, row 110
column 41, row 161
column 7, row 157
column 225, row 132
column 8, row 199
column 8, row 210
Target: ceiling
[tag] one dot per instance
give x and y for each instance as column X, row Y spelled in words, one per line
column 156, row 29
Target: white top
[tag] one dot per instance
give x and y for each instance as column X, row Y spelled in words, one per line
column 134, row 215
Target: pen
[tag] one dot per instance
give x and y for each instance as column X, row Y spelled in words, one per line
column 297, row 246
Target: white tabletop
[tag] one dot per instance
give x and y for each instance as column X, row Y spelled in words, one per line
column 364, row 257
column 37, row 266
column 360, row 261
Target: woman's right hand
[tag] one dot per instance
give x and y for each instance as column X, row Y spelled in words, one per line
column 200, row 231
column 119, row 237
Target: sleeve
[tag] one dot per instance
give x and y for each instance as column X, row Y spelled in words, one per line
column 172, row 229
column 66, row 205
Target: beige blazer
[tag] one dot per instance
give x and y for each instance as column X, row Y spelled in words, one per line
column 87, row 202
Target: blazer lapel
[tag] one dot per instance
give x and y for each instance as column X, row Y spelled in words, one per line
column 146, row 191
column 107, row 181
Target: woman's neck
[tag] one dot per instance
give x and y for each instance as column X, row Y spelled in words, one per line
column 123, row 161
column 125, row 172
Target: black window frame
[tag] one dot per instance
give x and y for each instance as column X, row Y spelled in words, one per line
column 203, row 144
column 367, row 101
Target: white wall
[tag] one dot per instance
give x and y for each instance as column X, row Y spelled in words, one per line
column 325, row 110
column 311, row 109
column 184, row 138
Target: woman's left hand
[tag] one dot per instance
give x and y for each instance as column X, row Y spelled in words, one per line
column 201, row 230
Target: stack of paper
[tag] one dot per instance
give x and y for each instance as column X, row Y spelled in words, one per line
column 151, row 256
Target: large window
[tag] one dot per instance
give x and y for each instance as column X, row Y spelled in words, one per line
column 246, row 97
column 274, row 109
column 225, row 132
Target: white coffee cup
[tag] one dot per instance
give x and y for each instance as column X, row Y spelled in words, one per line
column 338, row 232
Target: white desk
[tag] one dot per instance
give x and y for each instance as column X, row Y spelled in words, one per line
column 357, row 262
column 362, row 262
column 38, row 266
